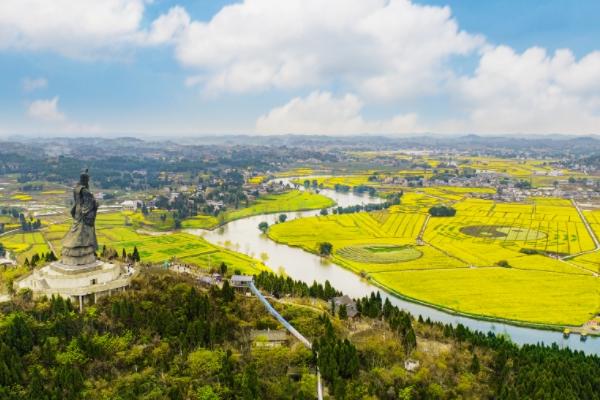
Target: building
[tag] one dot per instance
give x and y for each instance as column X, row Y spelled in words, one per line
column 130, row 205
column 241, row 281
column 269, row 338
column 351, row 308
column 207, row 281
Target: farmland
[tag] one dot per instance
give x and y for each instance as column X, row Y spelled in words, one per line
column 290, row 201
column 492, row 259
column 154, row 247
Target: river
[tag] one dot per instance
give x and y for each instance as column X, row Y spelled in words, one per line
column 243, row 236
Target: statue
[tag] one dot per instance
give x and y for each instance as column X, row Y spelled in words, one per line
column 80, row 243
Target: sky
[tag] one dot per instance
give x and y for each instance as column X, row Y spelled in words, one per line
column 336, row 67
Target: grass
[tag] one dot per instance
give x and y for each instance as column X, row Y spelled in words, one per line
column 457, row 269
column 183, row 247
column 294, row 200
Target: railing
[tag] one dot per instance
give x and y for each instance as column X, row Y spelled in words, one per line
column 290, row 328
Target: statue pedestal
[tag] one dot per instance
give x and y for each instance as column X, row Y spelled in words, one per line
column 82, row 283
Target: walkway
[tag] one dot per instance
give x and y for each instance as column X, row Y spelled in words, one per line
column 290, row 328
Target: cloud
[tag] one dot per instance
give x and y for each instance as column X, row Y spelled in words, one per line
column 46, row 110
column 84, row 29
column 31, row 84
column 531, row 92
column 168, row 27
column 382, row 48
column 323, row 113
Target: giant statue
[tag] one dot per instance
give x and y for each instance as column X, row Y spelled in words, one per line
column 80, row 243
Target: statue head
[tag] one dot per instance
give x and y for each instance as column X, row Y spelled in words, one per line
column 84, row 179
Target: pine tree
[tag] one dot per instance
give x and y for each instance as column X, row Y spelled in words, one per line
column 136, row 255
column 343, row 312
column 475, row 367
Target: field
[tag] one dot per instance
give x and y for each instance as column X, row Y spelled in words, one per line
column 290, row 201
column 114, row 230
column 456, row 265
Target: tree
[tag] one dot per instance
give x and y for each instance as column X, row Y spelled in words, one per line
column 410, row 341
column 324, row 211
column 442, row 211
column 2, row 250
column 136, row 255
column 343, row 312
column 124, row 254
column 223, row 268
column 282, row 218
column 263, row 226
column 475, row 367
column 325, row 248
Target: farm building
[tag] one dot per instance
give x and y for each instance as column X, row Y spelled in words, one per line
column 348, row 302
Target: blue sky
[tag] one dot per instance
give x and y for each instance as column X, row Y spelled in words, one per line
column 148, row 68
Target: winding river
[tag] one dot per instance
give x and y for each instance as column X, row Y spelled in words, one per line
column 243, row 236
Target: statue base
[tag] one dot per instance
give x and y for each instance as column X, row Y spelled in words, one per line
column 81, row 283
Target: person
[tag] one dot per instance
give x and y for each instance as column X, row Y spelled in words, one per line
column 80, row 242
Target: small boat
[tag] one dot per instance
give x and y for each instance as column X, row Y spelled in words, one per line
column 566, row 333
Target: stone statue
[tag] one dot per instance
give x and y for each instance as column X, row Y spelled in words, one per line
column 80, row 243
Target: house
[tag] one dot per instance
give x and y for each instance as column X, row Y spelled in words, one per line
column 351, row 308
column 207, row 281
column 130, row 205
column 241, row 281
column 269, row 338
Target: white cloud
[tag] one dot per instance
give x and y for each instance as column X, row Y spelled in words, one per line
column 46, row 110
column 382, row 48
column 84, row 28
column 531, row 92
column 323, row 113
column 31, row 84
column 169, row 26
column 47, row 113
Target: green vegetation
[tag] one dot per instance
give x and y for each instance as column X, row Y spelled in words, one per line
column 166, row 338
column 442, row 211
column 274, row 203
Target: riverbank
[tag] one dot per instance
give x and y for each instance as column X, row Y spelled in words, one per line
column 442, row 308
column 291, row 201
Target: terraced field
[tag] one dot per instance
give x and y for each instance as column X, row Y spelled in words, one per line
column 458, row 266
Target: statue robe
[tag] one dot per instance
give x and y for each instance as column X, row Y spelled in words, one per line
column 80, row 243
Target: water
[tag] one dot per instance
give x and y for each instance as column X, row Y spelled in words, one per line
column 243, row 236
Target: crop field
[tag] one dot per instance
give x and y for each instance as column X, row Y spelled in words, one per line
column 480, row 226
column 294, row 200
column 154, row 248
column 491, row 259
column 25, row 245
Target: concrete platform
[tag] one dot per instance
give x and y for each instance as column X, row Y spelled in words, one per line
column 81, row 283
